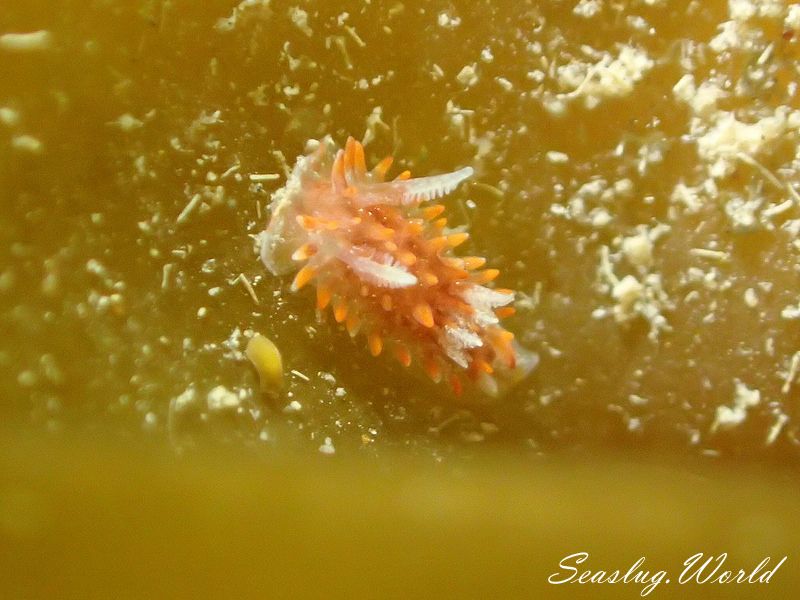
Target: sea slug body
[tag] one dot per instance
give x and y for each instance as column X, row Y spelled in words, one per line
column 381, row 256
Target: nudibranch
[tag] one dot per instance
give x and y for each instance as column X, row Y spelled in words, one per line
column 380, row 255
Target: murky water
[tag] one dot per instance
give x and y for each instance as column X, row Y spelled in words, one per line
column 636, row 164
column 136, row 166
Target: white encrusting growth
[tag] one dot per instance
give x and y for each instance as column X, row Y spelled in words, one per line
column 643, row 296
column 701, row 99
column 722, row 144
column 610, row 77
column 588, row 8
column 728, row 417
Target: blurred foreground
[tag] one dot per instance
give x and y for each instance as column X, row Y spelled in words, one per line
column 99, row 519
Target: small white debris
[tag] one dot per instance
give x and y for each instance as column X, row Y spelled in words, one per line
column 327, row 447
column 638, row 249
column 537, row 75
column 150, row 421
column 242, row 278
column 7, row 280
column 627, row 293
column 186, row 399
column 610, row 77
column 750, row 298
column 221, row 399
column 34, row 41
column 794, row 365
column 351, row 31
column 95, row 267
column 436, row 72
column 27, row 143
column 128, row 122
column 587, row 8
column 302, row 376
column 637, row 22
column 189, row 208
column 791, row 312
column 644, row 297
column 792, row 20
column 226, row 24
column 637, row 400
column 731, row 35
column 557, row 158
column 729, row 139
column 293, row 407
column 27, row 378
column 448, row 21
column 728, row 417
column 467, row 76
column 600, row 217
column 687, row 196
column 555, row 105
column 504, row 83
column 264, row 176
column 710, row 254
column 9, row 117
column 300, row 19
column 776, row 428
column 702, row 100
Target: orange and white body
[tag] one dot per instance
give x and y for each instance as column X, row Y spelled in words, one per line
column 381, row 256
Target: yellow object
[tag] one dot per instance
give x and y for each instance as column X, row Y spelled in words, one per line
column 266, row 358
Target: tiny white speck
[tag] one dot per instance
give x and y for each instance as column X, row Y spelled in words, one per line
column 448, row 21
column 26, row 42
column 150, row 421
column 327, row 447
column 504, row 83
column 128, row 122
column 750, row 298
column 293, row 407
column 300, row 375
column 466, row 76
column 557, row 158
column 27, row 379
column 9, row 116
column 221, row 398
column 264, row 176
column 27, row 143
